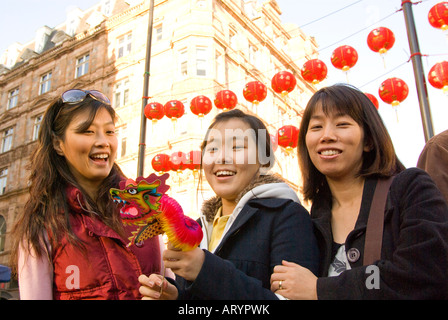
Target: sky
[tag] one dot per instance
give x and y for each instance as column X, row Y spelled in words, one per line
column 348, row 22
column 333, row 23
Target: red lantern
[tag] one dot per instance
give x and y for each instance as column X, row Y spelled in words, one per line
column 438, row 76
column 154, row 111
column 161, row 163
column 193, row 160
column 380, row 40
column 201, row 106
column 255, row 92
column 178, row 161
column 373, row 99
column 393, row 91
column 314, row 71
column 288, row 137
column 344, row 58
column 438, row 16
column 226, row 100
column 174, row 109
column 283, row 82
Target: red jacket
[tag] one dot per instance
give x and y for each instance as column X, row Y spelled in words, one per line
column 107, row 268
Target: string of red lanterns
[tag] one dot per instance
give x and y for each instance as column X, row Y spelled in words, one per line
column 178, row 161
column 392, row 91
column 193, row 160
column 161, row 163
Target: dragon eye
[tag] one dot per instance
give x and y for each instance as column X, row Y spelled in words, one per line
column 132, row 191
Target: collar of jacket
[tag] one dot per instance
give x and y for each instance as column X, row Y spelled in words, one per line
column 75, row 199
column 210, row 206
column 268, row 198
column 90, row 219
column 321, row 213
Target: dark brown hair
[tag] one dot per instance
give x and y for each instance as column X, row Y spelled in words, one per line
column 380, row 161
column 254, row 123
column 46, row 213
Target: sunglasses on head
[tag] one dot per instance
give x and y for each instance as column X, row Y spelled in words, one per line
column 76, row 95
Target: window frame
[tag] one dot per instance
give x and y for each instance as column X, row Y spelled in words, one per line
column 7, row 140
column 121, row 95
column 82, row 65
column 201, row 61
column 36, row 126
column 124, row 48
column 13, row 98
column 45, row 83
column 183, row 63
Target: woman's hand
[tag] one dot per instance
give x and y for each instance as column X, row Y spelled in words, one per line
column 293, row 281
column 151, row 288
column 186, row 264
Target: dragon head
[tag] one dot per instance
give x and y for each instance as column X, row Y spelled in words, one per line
column 139, row 199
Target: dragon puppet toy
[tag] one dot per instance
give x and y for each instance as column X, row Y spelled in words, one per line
column 143, row 203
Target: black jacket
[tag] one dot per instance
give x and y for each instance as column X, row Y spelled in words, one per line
column 414, row 257
column 265, row 232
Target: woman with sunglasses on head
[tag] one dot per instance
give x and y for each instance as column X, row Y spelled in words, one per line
column 69, row 241
column 345, row 154
column 252, row 224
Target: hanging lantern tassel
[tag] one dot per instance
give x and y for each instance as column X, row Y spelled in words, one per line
column 346, row 70
column 395, row 104
column 382, row 55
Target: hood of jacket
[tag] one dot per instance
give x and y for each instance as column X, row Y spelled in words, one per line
column 265, row 186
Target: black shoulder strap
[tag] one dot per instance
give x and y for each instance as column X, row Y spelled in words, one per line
column 375, row 222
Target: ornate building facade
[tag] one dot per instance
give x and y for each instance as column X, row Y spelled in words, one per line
column 199, row 47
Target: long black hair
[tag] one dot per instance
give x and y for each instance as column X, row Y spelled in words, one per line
column 46, row 213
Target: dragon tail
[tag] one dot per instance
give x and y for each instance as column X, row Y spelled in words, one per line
column 182, row 231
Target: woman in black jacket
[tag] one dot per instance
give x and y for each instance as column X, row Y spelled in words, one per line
column 254, row 222
column 344, row 150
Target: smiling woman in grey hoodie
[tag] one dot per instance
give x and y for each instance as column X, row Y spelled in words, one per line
column 254, row 222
